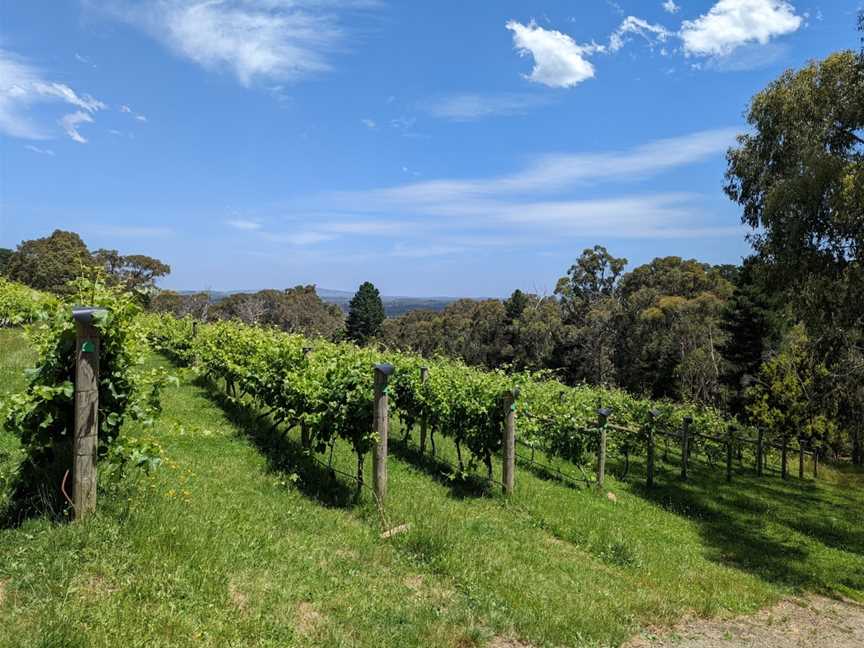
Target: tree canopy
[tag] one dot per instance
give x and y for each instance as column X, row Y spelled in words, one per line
column 365, row 314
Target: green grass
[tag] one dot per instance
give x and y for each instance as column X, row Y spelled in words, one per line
column 240, row 540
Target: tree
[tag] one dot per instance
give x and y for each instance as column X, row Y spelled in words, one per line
column 671, row 335
column 753, row 322
column 590, row 304
column 799, row 177
column 50, row 263
column 296, row 310
column 5, row 254
column 137, row 272
column 365, row 314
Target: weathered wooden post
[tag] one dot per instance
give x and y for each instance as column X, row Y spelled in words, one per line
column 424, row 376
column 760, row 460
column 652, row 422
column 381, row 424
column 509, row 450
column 685, row 445
column 86, row 438
column 730, row 440
column 602, row 420
column 815, row 452
column 784, row 458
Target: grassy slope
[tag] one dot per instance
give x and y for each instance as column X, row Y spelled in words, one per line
column 239, row 541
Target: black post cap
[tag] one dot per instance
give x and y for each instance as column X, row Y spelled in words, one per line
column 87, row 314
column 604, row 412
column 385, row 368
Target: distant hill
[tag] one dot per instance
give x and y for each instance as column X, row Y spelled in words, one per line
column 393, row 306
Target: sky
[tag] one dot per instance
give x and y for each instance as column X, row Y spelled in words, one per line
column 443, row 148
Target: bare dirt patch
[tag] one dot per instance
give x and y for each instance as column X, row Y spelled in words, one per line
column 507, row 642
column 812, row 622
column 307, row 620
column 239, row 598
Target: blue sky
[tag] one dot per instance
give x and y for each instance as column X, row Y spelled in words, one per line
column 433, row 148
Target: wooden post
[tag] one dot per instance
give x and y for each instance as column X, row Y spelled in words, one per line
column 86, row 438
column 800, row 458
column 815, row 452
column 381, row 424
column 424, row 376
column 508, row 477
column 685, row 445
column 652, row 422
column 784, row 457
column 760, row 459
column 730, row 437
column 602, row 419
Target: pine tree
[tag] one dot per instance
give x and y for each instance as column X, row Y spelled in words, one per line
column 365, row 314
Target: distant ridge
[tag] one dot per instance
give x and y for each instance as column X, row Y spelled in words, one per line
column 394, row 306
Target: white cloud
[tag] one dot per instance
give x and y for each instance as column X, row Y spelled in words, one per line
column 253, row 39
column 71, row 122
column 670, row 7
column 369, row 123
column 141, row 118
column 732, row 23
column 469, row 107
column 300, row 238
column 22, row 85
column 633, row 25
column 537, row 202
column 563, row 171
column 559, row 62
column 38, row 150
column 125, row 109
column 243, row 224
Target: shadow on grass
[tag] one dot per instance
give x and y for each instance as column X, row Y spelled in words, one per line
column 460, row 487
column 284, row 455
column 752, row 523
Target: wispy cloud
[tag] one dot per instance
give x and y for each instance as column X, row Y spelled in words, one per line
column 72, row 121
column 369, row 123
column 531, row 206
column 669, row 6
column 469, row 107
column 558, row 172
column 40, row 151
column 243, row 224
column 729, row 24
column 22, row 85
column 253, row 39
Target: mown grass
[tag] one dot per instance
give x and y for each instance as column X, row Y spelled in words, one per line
column 241, row 540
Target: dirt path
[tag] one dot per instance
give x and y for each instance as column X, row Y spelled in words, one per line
column 812, row 622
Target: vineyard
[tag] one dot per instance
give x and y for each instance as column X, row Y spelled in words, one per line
column 231, row 499
column 325, row 390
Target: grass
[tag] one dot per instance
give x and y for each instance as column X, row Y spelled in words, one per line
column 240, row 540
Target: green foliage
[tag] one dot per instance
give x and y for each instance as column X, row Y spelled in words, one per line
column 783, row 400
column 50, row 263
column 295, row 310
column 329, row 390
column 365, row 314
column 42, row 416
column 135, row 272
column 20, row 304
column 5, row 255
